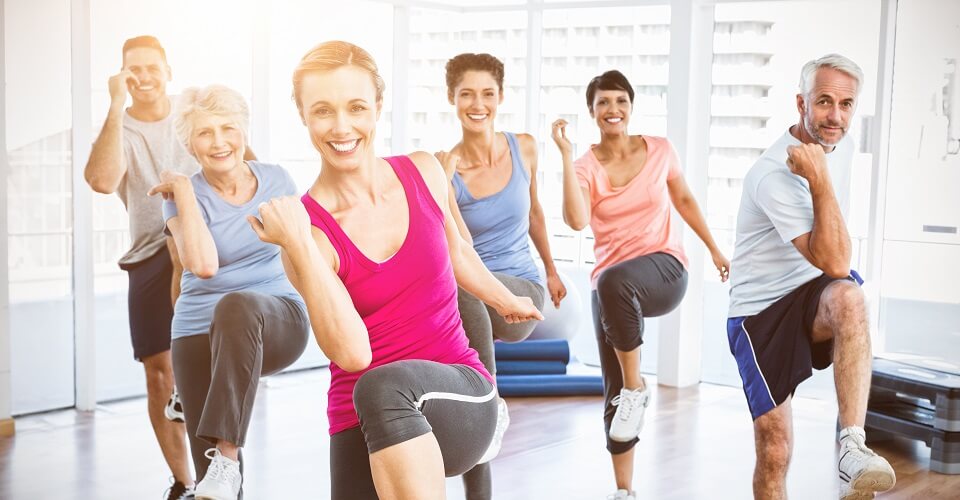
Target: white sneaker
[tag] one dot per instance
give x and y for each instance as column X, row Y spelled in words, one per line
column 860, row 467
column 503, row 421
column 622, row 495
column 848, row 493
column 222, row 481
column 174, row 409
column 628, row 421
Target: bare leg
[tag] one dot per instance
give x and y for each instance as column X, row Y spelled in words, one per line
column 842, row 316
column 170, row 435
column 412, row 469
column 623, row 470
column 773, row 436
column 630, row 368
column 229, row 450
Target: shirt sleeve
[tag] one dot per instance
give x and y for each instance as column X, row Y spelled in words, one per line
column 673, row 162
column 169, row 212
column 785, row 199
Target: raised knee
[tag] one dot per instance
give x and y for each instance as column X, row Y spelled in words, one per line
column 235, row 308
column 609, row 282
column 847, row 294
column 374, row 391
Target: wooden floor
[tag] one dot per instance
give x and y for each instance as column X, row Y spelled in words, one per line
column 697, row 444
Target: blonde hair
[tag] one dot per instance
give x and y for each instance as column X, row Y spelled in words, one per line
column 216, row 100
column 331, row 55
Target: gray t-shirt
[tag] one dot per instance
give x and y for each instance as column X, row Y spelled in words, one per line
column 149, row 148
column 246, row 263
column 776, row 207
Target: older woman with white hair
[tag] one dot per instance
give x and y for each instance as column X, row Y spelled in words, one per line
column 237, row 318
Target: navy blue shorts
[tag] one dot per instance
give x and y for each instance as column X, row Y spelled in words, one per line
column 774, row 349
column 148, row 303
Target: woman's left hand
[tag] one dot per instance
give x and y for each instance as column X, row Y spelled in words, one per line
column 556, row 289
column 283, row 221
column 520, row 309
column 722, row 265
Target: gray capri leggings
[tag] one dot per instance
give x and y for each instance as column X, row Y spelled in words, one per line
column 482, row 324
column 251, row 335
column 405, row 399
column 646, row 286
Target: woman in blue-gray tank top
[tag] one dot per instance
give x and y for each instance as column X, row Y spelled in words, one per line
column 494, row 187
column 237, row 317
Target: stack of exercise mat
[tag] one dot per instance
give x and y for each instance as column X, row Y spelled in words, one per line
column 539, row 368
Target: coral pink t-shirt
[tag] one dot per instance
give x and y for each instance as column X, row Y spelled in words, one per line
column 632, row 220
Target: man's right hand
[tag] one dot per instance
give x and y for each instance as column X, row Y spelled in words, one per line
column 808, row 161
column 119, row 85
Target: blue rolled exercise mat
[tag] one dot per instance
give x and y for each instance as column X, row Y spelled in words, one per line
column 533, row 350
column 549, row 385
column 534, row 367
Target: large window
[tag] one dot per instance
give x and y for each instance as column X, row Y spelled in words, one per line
column 435, row 37
column 39, row 201
column 759, row 49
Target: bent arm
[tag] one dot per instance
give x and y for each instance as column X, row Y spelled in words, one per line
column 337, row 326
column 106, row 166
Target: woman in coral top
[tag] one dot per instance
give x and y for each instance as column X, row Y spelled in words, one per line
column 624, row 188
column 374, row 252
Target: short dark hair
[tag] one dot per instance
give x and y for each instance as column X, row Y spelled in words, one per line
column 146, row 41
column 611, row 80
column 462, row 63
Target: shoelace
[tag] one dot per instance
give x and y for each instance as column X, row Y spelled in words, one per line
column 628, row 404
column 219, row 469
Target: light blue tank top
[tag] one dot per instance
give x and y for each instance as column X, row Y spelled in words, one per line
column 499, row 223
column 246, row 263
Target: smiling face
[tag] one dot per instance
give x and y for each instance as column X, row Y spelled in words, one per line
column 476, row 98
column 148, row 65
column 340, row 110
column 217, row 142
column 826, row 111
column 611, row 110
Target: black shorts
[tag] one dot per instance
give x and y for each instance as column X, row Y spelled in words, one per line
column 148, row 303
column 774, row 348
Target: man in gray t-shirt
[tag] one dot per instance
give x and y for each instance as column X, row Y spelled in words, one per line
column 795, row 304
column 133, row 147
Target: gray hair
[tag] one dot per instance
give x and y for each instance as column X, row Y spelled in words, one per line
column 217, row 100
column 834, row 61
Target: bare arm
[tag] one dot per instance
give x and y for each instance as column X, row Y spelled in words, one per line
column 307, row 256
column 688, row 209
column 195, row 246
column 106, row 166
column 469, row 270
column 538, row 225
column 576, row 200
column 177, row 270
column 827, row 245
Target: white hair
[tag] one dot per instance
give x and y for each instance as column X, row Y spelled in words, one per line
column 216, row 100
column 834, row 61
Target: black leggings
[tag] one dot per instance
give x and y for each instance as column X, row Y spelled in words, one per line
column 646, row 286
column 402, row 400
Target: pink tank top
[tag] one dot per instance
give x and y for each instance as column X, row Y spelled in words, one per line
column 408, row 302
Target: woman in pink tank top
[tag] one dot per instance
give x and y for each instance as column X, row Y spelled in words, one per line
column 625, row 188
column 374, row 252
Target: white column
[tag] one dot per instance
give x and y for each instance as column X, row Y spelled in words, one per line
column 85, row 345
column 401, row 78
column 881, row 155
column 688, row 127
column 6, row 423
